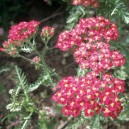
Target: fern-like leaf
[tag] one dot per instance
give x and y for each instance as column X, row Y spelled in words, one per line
column 95, row 122
column 37, row 84
column 42, row 80
column 121, row 10
column 115, row 9
column 76, row 12
column 77, row 122
column 20, row 78
column 124, row 116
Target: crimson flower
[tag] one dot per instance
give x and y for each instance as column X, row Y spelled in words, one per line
column 90, row 94
column 23, row 30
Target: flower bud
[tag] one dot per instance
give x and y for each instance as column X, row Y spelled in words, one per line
column 47, row 33
column 1, row 49
column 36, row 59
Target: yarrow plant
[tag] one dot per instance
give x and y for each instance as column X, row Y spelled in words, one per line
column 21, row 39
column 19, row 35
column 91, row 39
column 23, row 30
column 88, row 30
column 98, row 90
column 90, row 94
column 96, row 93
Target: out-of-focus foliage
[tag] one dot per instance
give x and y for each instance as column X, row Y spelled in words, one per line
column 114, row 8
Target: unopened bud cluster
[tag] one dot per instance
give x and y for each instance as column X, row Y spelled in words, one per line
column 47, row 32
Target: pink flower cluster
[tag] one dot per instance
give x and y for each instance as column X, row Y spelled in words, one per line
column 17, row 36
column 88, row 30
column 96, row 92
column 90, row 95
column 98, row 56
column 93, row 3
column 47, row 32
column 23, row 30
column 90, row 39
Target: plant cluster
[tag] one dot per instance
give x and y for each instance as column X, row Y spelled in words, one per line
column 18, row 36
column 91, row 95
column 98, row 91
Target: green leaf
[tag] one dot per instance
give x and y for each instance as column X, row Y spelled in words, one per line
column 76, row 12
column 4, row 69
column 14, row 107
column 82, row 72
column 20, row 78
column 124, row 116
column 115, row 9
column 95, row 123
column 120, row 73
column 77, row 122
column 106, row 7
column 42, row 122
column 122, row 10
column 37, row 84
column 42, row 80
column 26, row 49
column 72, row 19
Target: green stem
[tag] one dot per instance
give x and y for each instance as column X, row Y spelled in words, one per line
column 42, row 60
column 22, row 85
column 45, row 67
column 25, row 123
column 50, row 70
column 27, row 59
column 33, row 46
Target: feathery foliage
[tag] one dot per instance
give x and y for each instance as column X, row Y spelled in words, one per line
column 115, row 9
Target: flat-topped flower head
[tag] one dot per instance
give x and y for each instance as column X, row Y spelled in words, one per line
column 90, row 94
column 67, row 39
column 19, row 37
column 23, row 30
column 91, row 30
column 97, row 29
column 98, row 57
